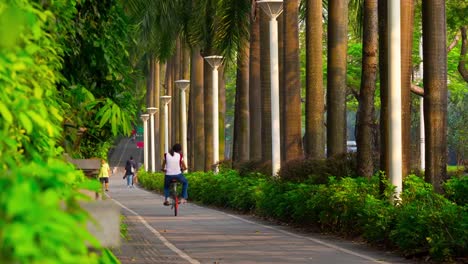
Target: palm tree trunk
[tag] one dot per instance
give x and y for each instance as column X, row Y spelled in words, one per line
column 292, row 83
column 265, row 86
column 315, row 102
column 435, row 91
column 255, row 95
column 241, row 106
column 281, row 84
column 163, row 91
column 365, row 116
column 383, row 66
column 336, row 78
column 197, row 117
column 150, row 103
column 407, row 21
column 175, row 102
column 169, row 83
column 155, row 100
column 222, row 111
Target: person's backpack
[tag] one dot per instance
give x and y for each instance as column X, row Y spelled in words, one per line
column 130, row 166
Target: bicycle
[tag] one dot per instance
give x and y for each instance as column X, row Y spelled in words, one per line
column 174, row 196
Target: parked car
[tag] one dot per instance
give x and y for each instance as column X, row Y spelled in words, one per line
column 351, row 146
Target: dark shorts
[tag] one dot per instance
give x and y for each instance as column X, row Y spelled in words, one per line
column 104, row 179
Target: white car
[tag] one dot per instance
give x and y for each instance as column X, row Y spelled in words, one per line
column 351, row 146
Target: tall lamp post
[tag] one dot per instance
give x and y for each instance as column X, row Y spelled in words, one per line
column 215, row 62
column 273, row 9
column 183, row 85
column 144, row 118
column 394, row 103
column 165, row 99
column 152, row 111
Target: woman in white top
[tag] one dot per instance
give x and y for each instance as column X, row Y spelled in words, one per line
column 173, row 166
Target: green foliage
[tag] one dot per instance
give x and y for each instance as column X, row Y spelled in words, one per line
column 457, row 189
column 40, row 217
column 318, row 171
column 429, row 224
column 97, row 90
column 424, row 222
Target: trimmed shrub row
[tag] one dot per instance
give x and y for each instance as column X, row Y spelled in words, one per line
column 424, row 223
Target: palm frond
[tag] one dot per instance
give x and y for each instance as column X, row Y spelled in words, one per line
column 232, row 26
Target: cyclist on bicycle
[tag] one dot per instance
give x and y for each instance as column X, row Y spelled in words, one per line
column 173, row 166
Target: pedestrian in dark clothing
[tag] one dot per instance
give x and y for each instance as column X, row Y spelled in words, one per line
column 130, row 170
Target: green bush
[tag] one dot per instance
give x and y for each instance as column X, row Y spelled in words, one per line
column 317, row 171
column 424, row 223
column 457, row 190
column 427, row 223
column 40, row 217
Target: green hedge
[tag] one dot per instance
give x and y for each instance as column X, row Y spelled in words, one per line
column 41, row 220
column 424, row 222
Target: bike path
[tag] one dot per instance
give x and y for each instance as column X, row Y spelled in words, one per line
column 205, row 235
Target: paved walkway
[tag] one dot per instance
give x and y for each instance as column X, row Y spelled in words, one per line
column 203, row 235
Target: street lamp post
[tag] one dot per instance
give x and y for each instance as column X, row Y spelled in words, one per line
column 165, row 99
column 394, row 103
column 183, row 85
column 144, row 118
column 152, row 111
column 215, row 62
column 273, row 9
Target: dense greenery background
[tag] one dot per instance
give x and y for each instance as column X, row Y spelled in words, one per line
column 65, row 77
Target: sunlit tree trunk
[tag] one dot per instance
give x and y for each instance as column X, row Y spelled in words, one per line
column 336, row 78
column 292, row 83
column 198, row 117
column 265, row 86
column 175, row 101
column 365, row 116
column 383, row 73
column 407, row 22
column 315, row 130
column 222, row 111
column 157, row 79
column 255, row 98
column 435, row 91
column 150, row 103
column 241, row 112
column 169, row 86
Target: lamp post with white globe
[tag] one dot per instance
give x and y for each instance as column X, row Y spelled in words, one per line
column 183, row 85
column 165, row 99
column 274, row 8
column 144, row 118
column 215, row 62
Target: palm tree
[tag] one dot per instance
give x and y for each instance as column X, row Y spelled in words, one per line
column 241, row 113
column 435, row 91
column 365, row 116
column 407, row 22
column 197, row 116
column 265, row 86
column 336, row 78
column 255, row 101
column 292, row 84
column 383, row 73
column 315, row 105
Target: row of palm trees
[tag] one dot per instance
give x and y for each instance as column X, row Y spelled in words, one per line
column 177, row 35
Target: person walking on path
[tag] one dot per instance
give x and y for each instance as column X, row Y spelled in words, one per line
column 130, row 169
column 173, row 166
column 104, row 173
